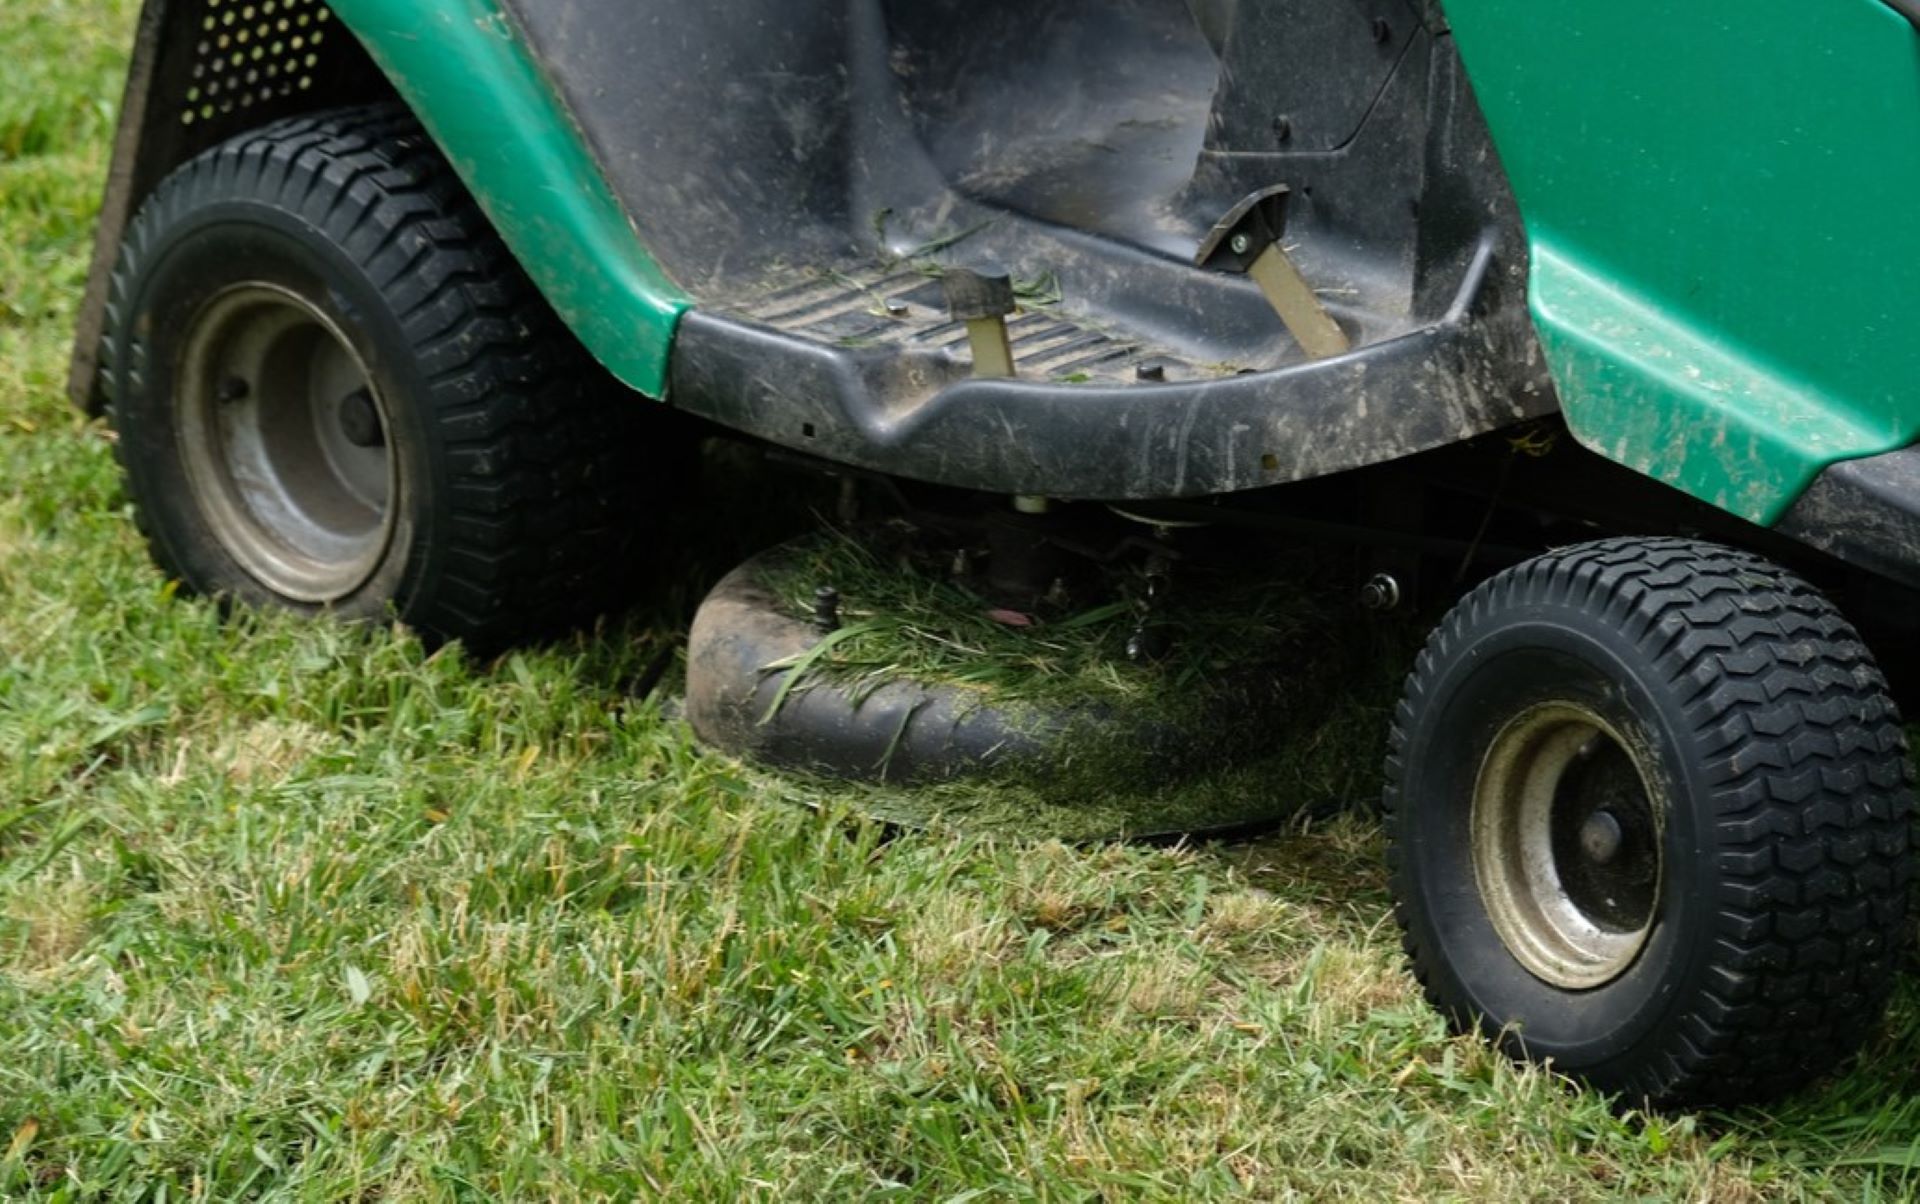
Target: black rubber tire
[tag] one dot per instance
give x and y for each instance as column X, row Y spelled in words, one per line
column 1788, row 846
column 518, row 512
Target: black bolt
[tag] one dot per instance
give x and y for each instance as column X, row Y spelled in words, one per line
column 1382, row 32
column 826, row 608
column 1283, row 128
column 233, row 389
column 1148, row 644
column 360, row 420
column 1380, row 593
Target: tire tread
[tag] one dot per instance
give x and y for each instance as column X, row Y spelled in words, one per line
column 1810, row 792
column 536, row 432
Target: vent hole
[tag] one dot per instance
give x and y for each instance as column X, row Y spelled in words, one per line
column 251, row 54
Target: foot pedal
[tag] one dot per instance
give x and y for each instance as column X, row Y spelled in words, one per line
column 1247, row 241
column 983, row 300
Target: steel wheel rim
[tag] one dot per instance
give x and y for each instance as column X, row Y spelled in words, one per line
column 284, row 436
column 1567, row 845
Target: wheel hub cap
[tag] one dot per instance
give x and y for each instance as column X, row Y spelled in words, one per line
column 1601, row 837
column 360, row 420
column 1567, row 845
column 284, row 438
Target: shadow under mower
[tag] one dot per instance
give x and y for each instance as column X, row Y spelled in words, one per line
column 1583, row 318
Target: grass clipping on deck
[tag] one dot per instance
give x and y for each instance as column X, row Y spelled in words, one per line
column 903, row 616
column 1307, row 737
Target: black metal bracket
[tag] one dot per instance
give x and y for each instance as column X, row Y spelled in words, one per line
column 1250, row 227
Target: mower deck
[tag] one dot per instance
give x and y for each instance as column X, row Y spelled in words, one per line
column 1054, row 721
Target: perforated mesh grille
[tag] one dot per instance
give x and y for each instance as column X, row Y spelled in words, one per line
column 252, row 52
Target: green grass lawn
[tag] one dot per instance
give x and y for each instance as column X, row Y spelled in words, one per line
column 292, row 911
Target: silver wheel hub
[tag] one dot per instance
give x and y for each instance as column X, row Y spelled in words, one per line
column 1567, row 836
column 284, row 438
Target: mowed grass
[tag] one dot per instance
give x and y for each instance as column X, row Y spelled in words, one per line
column 294, row 912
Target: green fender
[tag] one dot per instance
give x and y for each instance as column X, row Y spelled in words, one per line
column 469, row 76
column 1724, row 205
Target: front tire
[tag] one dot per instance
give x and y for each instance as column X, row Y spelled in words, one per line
column 1649, row 814
column 336, row 392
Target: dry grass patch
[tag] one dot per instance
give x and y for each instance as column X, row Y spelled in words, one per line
column 49, row 924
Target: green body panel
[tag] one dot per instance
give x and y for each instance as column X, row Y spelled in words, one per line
column 1724, row 205
column 471, row 80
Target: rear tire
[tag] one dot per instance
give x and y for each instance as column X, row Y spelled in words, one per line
column 1650, row 813
column 336, row 392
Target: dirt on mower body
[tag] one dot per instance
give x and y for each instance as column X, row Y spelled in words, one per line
column 1588, row 319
